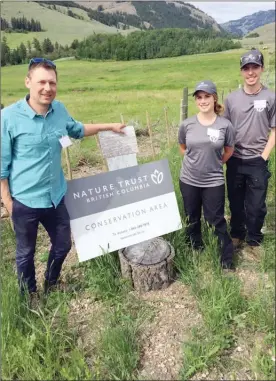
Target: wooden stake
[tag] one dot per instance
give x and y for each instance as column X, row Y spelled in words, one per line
column 167, row 127
column 69, row 170
column 122, row 119
column 185, row 103
column 99, row 148
column 181, row 111
column 150, row 134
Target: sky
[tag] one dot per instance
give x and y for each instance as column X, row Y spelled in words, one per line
column 226, row 11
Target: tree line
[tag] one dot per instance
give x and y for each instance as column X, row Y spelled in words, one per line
column 23, row 53
column 153, row 44
column 21, row 24
column 135, row 46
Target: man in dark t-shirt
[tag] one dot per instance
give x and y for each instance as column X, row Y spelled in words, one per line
column 251, row 110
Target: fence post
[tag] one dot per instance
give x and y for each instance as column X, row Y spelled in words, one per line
column 181, row 111
column 185, row 103
column 150, row 134
column 167, row 127
column 69, row 169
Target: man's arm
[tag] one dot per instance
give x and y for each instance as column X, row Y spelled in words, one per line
column 269, row 145
column 6, row 160
column 92, row 129
column 6, row 196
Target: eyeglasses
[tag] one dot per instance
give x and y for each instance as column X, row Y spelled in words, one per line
column 37, row 60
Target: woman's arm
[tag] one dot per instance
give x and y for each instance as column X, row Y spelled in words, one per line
column 182, row 148
column 228, row 152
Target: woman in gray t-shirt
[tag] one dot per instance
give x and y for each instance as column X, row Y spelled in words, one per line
column 207, row 142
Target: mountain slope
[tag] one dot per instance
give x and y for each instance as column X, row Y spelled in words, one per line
column 158, row 14
column 246, row 24
column 58, row 26
column 266, row 37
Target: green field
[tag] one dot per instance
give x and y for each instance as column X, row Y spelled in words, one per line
column 103, row 90
column 58, row 26
column 207, row 325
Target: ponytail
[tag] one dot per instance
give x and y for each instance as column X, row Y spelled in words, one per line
column 219, row 109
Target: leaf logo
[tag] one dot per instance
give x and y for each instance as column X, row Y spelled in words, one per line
column 157, row 177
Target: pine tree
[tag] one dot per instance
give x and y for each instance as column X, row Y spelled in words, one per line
column 29, row 47
column 22, row 52
column 47, row 46
column 5, row 52
column 36, row 45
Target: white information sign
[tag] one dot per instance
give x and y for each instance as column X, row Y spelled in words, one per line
column 113, row 210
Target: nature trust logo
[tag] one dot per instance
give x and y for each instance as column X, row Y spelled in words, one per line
column 157, row 177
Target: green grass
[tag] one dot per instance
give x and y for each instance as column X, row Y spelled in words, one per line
column 58, row 26
column 102, row 91
column 35, row 344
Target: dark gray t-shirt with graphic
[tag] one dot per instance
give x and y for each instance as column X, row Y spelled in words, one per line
column 252, row 117
column 202, row 164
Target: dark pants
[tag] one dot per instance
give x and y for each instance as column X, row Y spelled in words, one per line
column 212, row 200
column 247, row 183
column 57, row 224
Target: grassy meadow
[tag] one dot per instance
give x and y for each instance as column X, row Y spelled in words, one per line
column 104, row 90
column 96, row 327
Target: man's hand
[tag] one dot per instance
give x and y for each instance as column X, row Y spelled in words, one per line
column 8, row 206
column 92, row 129
column 6, row 196
column 118, row 127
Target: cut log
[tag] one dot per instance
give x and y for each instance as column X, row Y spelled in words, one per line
column 148, row 265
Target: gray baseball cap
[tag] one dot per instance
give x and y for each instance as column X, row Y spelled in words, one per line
column 207, row 86
column 254, row 56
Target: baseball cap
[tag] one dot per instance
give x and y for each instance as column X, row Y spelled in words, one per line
column 254, row 56
column 207, row 86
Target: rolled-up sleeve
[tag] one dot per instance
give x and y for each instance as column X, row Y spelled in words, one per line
column 6, row 148
column 74, row 128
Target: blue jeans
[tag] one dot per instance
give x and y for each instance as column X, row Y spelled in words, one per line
column 57, row 224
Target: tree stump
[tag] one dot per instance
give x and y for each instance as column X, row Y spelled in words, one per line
column 148, row 265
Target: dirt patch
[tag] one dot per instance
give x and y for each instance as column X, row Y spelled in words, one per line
column 163, row 338
column 251, row 280
column 87, row 318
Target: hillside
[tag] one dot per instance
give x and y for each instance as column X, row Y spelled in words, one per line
column 161, row 14
column 266, row 37
column 247, row 24
column 58, row 26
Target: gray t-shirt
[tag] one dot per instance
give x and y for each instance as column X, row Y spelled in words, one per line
column 252, row 117
column 202, row 163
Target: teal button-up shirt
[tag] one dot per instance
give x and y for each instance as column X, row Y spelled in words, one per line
column 31, row 152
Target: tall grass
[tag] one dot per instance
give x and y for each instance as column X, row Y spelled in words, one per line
column 35, row 344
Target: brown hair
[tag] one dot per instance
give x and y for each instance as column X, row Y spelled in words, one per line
column 219, row 109
column 45, row 65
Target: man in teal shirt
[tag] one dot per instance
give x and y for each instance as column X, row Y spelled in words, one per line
column 34, row 131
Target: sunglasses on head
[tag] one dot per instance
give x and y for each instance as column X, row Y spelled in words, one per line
column 256, row 58
column 37, row 60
